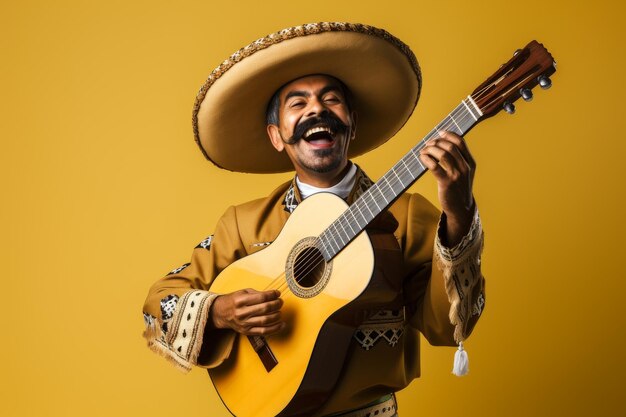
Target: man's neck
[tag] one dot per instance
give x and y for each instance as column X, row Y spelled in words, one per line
column 324, row 179
column 341, row 189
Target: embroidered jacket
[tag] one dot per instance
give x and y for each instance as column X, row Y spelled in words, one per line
column 406, row 295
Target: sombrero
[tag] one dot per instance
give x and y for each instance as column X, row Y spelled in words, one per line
column 229, row 112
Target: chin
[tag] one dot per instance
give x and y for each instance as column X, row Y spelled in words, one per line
column 325, row 167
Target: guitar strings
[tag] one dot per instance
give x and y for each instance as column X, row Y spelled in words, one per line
column 387, row 185
column 305, row 264
column 308, row 263
column 390, row 186
column 307, row 268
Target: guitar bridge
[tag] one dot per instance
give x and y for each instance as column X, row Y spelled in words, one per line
column 260, row 346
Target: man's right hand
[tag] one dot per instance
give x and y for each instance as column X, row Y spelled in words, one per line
column 248, row 312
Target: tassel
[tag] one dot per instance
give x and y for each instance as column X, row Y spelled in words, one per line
column 461, row 362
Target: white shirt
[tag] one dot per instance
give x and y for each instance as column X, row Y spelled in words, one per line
column 341, row 189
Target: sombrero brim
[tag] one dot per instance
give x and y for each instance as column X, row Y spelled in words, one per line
column 229, row 113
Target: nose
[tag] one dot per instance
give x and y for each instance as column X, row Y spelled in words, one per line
column 316, row 108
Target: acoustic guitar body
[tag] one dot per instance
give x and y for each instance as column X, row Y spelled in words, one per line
column 292, row 373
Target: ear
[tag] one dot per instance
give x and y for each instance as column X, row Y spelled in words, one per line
column 274, row 134
column 354, row 117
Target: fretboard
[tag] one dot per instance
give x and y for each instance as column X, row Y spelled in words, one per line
column 391, row 185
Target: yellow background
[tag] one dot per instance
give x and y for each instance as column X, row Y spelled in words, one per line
column 104, row 191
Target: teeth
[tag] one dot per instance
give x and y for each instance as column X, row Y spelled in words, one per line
column 316, row 130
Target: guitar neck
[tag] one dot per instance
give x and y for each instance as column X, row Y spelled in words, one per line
column 391, row 185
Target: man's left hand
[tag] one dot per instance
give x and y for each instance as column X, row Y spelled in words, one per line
column 450, row 161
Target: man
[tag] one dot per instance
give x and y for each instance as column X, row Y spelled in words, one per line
column 318, row 111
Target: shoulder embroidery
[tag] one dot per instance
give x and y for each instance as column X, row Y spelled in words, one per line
column 179, row 269
column 362, row 183
column 290, row 201
column 206, row 243
column 383, row 324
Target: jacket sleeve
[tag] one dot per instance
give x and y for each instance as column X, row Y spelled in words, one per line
column 177, row 307
column 445, row 287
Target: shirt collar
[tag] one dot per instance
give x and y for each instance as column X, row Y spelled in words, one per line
column 360, row 183
column 341, row 189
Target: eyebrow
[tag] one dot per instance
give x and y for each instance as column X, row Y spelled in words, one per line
column 299, row 93
column 296, row 93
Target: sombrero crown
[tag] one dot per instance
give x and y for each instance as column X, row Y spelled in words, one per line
column 381, row 72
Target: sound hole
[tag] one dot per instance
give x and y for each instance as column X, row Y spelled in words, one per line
column 309, row 267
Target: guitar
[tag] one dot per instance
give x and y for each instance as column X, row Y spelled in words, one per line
column 293, row 372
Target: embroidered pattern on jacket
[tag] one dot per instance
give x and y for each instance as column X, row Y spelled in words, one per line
column 384, row 324
column 206, row 243
column 168, row 305
column 463, row 278
column 260, row 244
column 179, row 269
column 362, row 182
column 290, row 201
column 478, row 307
column 148, row 319
column 453, row 254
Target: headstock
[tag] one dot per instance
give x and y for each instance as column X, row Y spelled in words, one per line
column 528, row 68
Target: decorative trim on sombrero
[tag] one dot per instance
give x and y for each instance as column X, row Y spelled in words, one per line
column 291, row 33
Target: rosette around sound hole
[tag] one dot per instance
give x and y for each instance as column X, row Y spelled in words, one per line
column 307, row 271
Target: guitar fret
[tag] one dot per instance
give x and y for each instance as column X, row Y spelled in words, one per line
column 459, row 131
column 338, row 234
column 374, row 200
column 404, row 173
column 327, row 256
column 406, row 167
column 399, row 179
column 474, row 106
column 350, row 224
column 469, row 110
column 382, row 194
column 343, row 231
column 361, row 213
column 381, row 189
column 416, row 158
column 333, row 240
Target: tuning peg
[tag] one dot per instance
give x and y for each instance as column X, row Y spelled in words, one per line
column 517, row 51
column 526, row 94
column 544, row 82
column 509, row 107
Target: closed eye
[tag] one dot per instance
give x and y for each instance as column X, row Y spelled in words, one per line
column 297, row 104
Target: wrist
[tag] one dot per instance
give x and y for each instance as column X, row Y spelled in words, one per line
column 215, row 321
column 456, row 225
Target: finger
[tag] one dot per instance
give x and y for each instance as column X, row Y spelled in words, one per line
column 445, row 159
column 454, row 153
column 459, row 141
column 433, row 166
column 266, row 331
column 259, row 309
column 264, row 321
column 252, row 297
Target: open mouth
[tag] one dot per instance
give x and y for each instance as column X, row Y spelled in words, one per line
column 320, row 136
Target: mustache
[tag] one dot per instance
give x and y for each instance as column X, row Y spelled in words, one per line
column 331, row 121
